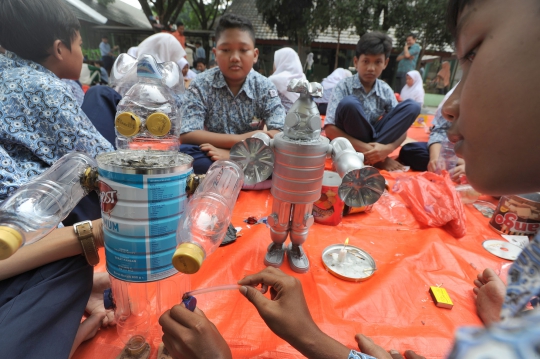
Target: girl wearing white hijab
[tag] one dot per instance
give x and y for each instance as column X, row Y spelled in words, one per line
column 414, row 89
column 287, row 66
column 184, row 66
column 328, row 85
column 163, row 47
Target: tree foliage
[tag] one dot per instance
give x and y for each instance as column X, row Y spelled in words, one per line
column 290, row 18
column 166, row 10
column 300, row 19
column 335, row 15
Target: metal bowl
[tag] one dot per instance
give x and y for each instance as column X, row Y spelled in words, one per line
column 363, row 268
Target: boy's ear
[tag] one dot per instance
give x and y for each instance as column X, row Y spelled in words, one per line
column 58, row 49
column 256, row 55
column 355, row 61
column 386, row 62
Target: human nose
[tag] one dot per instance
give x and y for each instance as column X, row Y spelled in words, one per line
column 235, row 56
column 450, row 109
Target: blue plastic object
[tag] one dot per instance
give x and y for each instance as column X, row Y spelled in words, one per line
column 190, row 303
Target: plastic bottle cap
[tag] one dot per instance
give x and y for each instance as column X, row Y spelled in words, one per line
column 10, row 241
column 158, row 124
column 188, row 258
column 127, row 124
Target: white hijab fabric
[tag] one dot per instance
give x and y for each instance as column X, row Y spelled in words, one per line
column 133, row 51
column 335, row 77
column 288, row 67
column 163, row 46
column 190, row 74
column 416, row 91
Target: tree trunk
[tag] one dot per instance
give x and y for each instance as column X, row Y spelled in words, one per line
column 301, row 50
column 421, row 54
column 337, row 50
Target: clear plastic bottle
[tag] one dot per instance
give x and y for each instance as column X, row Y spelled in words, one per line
column 148, row 117
column 447, row 158
column 132, row 314
column 205, row 222
column 36, row 208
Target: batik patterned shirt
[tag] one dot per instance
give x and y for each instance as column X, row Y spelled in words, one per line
column 377, row 102
column 440, row 126
column 210, row 105
column 40, row 121
column 357, row 355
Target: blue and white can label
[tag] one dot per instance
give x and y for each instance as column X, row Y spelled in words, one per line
column 140, row 217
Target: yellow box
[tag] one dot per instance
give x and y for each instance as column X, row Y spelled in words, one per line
column 440, row 297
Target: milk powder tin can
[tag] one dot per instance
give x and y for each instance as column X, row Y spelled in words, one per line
column 328, row 209
column 142, row 197
column 517, row 215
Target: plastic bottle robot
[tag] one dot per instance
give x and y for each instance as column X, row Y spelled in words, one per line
column 296, row 159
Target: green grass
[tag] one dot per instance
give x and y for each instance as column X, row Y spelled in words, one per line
column 432, row 100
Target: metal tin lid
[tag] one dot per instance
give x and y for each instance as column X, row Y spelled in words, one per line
column 144, row 162
column 10, row 241
column 188, row 258
column 256, row 159
column 362, row 187
column 127, row 124
column 158, row 124
column 358, row 265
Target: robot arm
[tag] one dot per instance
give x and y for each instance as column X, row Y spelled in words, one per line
column 361, row 185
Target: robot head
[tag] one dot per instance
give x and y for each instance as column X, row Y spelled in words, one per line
column 303, row 121
column 147, row 117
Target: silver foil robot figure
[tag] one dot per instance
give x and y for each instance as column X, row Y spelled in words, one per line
column 296, row 160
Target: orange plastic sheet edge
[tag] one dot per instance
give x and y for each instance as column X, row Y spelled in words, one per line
column 393, row 306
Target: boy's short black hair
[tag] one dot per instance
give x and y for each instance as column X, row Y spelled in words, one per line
column 104, row 37
column 199, row 60
column 29, row 28
column 412, row 34
column 233, row 21
column 179, row 23
column 212, row 63
column 455, row 7
column 374, row 43
column 197, row 43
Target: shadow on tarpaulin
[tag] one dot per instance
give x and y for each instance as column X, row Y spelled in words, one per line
column 393, row 306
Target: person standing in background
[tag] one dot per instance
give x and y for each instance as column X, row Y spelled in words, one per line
column 442, row 79
column 106, row 53
column 179, row 34
column 199, row 51
column 406, row 61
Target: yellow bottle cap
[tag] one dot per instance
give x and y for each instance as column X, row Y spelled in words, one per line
column 188, row 258
column 10, row 241
column 158, row 124
column 127, row 124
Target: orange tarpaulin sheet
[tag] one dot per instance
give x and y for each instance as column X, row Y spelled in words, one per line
column 393, row 306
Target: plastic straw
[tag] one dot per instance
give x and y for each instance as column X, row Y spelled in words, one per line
column 211, row 289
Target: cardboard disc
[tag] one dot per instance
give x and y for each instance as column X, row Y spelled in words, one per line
column 502, row 249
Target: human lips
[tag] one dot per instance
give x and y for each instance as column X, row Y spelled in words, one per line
column 457, row 140
column 235, row 67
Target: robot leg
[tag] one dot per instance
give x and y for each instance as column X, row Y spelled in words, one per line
column 302, row 219
column 279, row 222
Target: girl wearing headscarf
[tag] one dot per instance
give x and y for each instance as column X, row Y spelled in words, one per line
column 287, row 66
column 186, row 72
column 443, row 78
column 163, row 47
column 414, row 89
column 328, row 85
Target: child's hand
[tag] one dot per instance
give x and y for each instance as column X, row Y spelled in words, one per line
column 378, row 153
column 215, row 153
column 457, row 172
